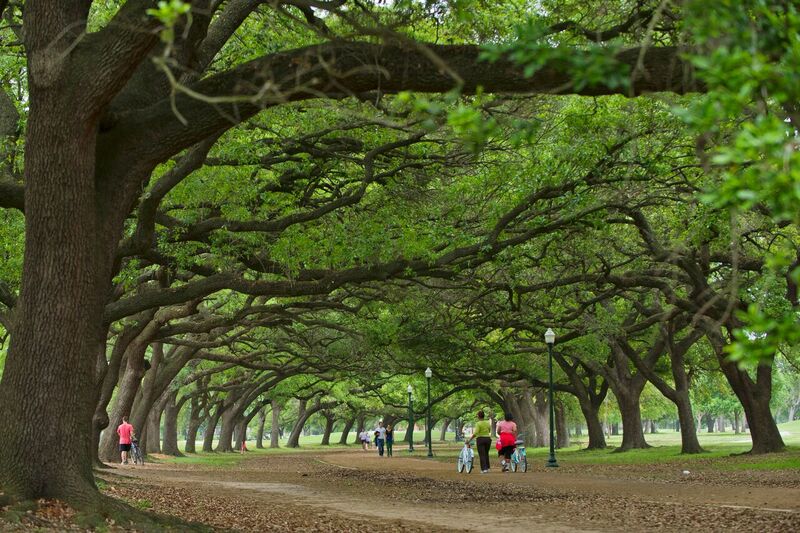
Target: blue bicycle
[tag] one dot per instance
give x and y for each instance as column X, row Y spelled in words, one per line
column 136, row 453
column 465, row 459
column 519, row 459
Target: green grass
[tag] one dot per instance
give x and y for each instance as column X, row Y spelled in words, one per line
column 143, row 504
column 720, row 448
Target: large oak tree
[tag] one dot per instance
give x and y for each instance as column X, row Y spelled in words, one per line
column 102, row 115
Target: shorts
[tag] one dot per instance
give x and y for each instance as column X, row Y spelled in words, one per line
column 506, row 451
column 124, row 447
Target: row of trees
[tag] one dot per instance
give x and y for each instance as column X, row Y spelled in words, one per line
column 212, row 207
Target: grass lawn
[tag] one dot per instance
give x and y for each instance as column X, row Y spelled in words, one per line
column 666, row 449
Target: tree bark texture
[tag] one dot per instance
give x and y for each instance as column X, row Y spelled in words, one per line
column 443, row 433
column 262, row 419
column 275, row 429
column 171, row 411
column 348, row 425
column 330, row 420
column 193, row 425
column 211, row 428
column 562, row 429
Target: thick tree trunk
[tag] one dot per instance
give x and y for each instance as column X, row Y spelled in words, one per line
column 326, row 434
column 294, row 436
column 304, row 413
column 591, row 413
column 709, row 423
column 531, row 420
column 689, row 441
column 459, row 430
column 632, row 434
column 540, row 419
column 348, row 425
column 153, row 433
column 192, row 426
column 229, row 419
column 562, row 439
column 409, row 433
column 171, row 411
column 590, row 394
column 240, row 433
column 763, row 430
column 47, row 390
column 262, row 419
column 443, row 433
column 754, row 395
column 275, row 429
column 211, row 428
column 686, row 420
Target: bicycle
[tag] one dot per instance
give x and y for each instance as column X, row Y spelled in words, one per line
column 465, row 459
column 519, row 458
column 136, row 453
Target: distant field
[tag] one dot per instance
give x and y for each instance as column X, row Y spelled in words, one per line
column 790, row 432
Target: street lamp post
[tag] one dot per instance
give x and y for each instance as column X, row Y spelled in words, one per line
column 410, row 420
column 550, row 339
column 428, row 374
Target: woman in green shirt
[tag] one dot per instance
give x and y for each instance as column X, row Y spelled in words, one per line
column 483, row 439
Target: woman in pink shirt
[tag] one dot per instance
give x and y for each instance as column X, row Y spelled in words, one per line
column 506, row 440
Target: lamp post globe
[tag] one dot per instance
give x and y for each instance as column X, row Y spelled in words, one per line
column 410, row 419
column 428, row 375
column 550, row 339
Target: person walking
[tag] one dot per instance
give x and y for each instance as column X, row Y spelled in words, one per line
column 483, row 440
column 506, row 440
column 380, row 438
column 364, row 437
column 124, row 431
column 389, row 439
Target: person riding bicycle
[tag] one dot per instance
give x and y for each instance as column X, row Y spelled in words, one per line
column 506, row 440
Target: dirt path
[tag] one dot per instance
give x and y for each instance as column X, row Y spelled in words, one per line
column 682, row 490
column 346, row 491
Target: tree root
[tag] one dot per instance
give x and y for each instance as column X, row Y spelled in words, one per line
column 107, row 509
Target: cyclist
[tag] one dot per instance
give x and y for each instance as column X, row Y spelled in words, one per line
column 506, row 440
column 124, row 431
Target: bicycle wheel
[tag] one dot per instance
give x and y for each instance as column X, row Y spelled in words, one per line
column 460, row 465
column 523, row 464
column 514, row 460
column 468, row 466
